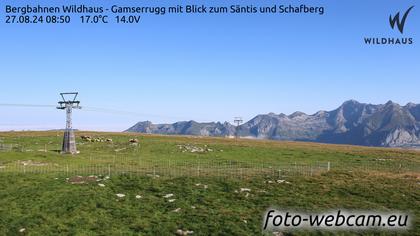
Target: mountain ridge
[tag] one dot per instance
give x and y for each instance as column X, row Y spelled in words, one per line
column 388, row 125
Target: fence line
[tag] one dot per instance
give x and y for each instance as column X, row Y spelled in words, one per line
column 171, row 168
column 198, row 168
column 129, row 161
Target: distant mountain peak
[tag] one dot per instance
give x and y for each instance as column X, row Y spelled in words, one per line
column 391, row 103
column 296, row 114
column 351, row 123
column 320, row 113
column 351, row 101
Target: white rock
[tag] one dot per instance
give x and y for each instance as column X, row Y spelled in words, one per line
column 184, row 232
column 171, row 200
column 138, row 196
column 120, row 195
column 177, row 210
column 22, row 230
column 101, row 185
column 168, row 195
column 276, row 233
column 245, row 190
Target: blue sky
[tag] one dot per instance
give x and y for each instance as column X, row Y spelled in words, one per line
column 206, row 67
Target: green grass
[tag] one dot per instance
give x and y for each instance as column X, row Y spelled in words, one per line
column 154, row 150
column 361, row 178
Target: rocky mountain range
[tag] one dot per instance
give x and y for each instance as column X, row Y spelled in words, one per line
column 389, row 125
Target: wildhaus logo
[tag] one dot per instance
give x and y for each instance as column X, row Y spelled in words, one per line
column 395, row 20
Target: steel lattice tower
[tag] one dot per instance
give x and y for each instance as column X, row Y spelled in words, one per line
column 238, row 121
column 69, row 140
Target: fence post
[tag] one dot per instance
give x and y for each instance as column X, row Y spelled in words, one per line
column 168, row 167
column 109, row 170
column 230, row 167
column 328, row 166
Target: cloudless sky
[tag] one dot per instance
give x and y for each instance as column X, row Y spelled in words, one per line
column 206, row 67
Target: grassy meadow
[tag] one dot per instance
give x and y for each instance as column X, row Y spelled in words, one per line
column 40, row 193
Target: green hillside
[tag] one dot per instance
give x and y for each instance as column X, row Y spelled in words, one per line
column 45, row 193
